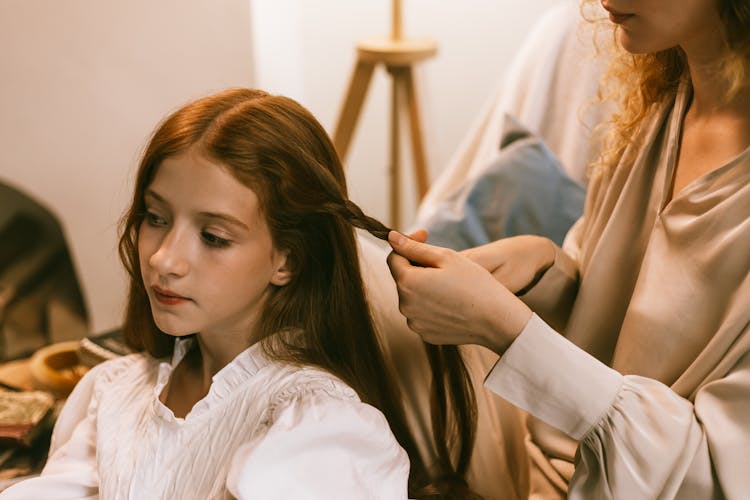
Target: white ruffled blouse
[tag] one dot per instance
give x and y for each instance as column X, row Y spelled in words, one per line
column 265, row 430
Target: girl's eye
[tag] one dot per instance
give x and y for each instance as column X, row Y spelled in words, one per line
column 154, row 219
column 214, row 241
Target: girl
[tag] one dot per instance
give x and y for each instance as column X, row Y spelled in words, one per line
column 646, row 394
column 262, row 375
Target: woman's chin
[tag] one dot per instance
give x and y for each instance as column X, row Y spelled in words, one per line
column 640, row 45
column 174, row 330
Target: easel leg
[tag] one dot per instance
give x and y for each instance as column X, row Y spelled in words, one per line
column 395, row 170
column 355, row 96
column 420, row 162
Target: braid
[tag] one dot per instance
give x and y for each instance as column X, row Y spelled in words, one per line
column 359, row 219
column 352, row 214
column 340, row 205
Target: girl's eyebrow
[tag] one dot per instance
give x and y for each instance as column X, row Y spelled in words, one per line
column 150, row 192
column 229, row 219
column 226, row 218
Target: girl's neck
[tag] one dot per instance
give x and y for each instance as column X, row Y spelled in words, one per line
column 213, row 354
column 191, row 379
column 185, row 386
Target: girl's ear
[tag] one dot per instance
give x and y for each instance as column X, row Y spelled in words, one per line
column 283, row 274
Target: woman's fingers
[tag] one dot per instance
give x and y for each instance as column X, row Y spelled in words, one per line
column 415, row 251
column 485, row 255
column 448, row 299
column 516, row 262
column 398, row 265
column 419, row 235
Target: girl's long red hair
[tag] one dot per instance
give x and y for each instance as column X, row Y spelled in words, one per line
column 278, row 149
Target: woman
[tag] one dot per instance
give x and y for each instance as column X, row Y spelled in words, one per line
column 645, row 390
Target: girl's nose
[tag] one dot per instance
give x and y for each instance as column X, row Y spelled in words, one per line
column 170, row 258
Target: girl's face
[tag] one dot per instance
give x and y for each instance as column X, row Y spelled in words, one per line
column 656, row 25
column 206, row 255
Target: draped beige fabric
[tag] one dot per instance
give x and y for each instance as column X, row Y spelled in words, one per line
column 659, row 290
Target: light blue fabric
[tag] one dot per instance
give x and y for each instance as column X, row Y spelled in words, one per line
column 525, row 190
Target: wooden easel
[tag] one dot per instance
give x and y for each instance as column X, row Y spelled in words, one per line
column 399, row 55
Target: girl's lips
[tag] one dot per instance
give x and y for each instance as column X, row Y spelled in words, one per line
column 168, row 297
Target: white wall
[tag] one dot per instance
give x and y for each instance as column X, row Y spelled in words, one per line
column 82, row 85
column 306, row 49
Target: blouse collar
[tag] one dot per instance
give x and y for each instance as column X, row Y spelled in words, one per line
column 237, row 372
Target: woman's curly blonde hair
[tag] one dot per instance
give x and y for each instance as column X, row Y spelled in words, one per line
column 637, row 82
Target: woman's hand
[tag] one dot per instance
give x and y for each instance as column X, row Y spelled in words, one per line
column 517, row 262
column 449, row 299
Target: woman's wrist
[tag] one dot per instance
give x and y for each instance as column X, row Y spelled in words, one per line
column 544, row 253
column 544, row 258
column 507, row 327
column 551, row 253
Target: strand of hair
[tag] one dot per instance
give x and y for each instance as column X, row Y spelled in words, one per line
column 357, row 218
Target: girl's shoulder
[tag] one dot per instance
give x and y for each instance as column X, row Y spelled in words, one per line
column 296, row 384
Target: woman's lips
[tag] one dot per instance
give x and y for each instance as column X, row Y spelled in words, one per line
column 618, row 18
column 168, row 297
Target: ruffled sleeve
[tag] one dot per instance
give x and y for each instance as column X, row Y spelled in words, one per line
column 70, row 471
column 623, row 422
column 320, row 446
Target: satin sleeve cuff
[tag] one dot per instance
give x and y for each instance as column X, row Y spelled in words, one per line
column 553, row 295
column 554, row 380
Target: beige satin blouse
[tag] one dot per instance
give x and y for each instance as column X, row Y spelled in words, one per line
column 652, row 375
